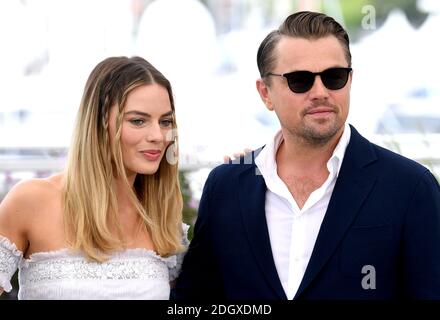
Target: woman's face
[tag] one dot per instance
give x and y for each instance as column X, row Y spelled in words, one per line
column 146, row 125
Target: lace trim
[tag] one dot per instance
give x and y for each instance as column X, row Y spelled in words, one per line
column 5, row 284
column 64, row 253
column 7, row 244
column 185, row 240
column 175, row 270
column 76, row 267
column 10, row 257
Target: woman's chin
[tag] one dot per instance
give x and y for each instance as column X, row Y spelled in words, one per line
column 149, row 170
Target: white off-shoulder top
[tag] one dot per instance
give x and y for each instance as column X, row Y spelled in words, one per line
column 64, row 274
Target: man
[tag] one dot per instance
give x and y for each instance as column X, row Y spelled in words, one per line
column 319, row 212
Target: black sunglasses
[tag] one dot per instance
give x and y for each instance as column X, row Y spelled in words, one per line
column 302, row 81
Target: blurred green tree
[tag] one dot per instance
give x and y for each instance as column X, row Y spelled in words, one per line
column 189, row 212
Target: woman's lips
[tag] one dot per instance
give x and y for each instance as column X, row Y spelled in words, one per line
column 151, row 155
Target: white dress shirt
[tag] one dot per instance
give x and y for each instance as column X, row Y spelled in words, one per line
column 293, row 231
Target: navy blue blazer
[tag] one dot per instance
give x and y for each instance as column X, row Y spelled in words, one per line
column 384, row 212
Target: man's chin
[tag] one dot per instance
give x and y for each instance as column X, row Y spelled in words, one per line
column 320, row 135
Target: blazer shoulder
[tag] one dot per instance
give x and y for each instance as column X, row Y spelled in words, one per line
column 229, row 172
column 399, row 162
column 384, row 162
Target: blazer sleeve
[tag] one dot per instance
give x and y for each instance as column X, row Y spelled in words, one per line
column 199, row 279
column 422, row 241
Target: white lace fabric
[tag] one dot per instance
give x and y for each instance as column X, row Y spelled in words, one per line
column 9, row 260
column 64, row 274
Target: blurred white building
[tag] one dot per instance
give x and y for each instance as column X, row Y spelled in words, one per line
column 51, row 46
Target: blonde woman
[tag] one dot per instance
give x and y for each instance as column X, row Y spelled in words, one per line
column 110, row 225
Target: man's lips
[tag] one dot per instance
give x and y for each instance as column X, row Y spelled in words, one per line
column 320, row 110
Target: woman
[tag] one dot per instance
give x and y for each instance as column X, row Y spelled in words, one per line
column 109, row 226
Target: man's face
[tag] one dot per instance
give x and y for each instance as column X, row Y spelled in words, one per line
column 315, row 116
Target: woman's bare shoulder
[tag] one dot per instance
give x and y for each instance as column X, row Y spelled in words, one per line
column 25, row 202
column 33, row 191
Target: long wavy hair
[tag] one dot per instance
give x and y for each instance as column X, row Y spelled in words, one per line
column 90, row 205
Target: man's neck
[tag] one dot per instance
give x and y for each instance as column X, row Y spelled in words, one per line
column 302, row 166
column 303, row 156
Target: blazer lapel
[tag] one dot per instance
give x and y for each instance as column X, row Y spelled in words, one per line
column 352, row 188
column 252, row 196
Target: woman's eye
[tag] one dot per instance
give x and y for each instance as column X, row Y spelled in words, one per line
column 137, row 122
column 166, row 123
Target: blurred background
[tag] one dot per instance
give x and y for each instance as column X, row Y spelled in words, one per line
column 207, row 48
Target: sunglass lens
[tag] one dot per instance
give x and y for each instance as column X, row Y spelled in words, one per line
column 300, row 81
column 335, row 78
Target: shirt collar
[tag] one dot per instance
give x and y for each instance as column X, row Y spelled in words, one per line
column 266, row 159
column 340, row 148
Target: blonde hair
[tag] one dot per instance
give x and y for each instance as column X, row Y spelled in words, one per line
column 90, row 207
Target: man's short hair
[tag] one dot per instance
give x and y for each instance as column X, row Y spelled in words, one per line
column 303, row 24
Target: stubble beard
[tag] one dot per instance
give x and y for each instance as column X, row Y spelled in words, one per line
column 317, row 132
column 317, row 137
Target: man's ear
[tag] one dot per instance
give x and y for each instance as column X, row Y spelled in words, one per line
column 263, row 90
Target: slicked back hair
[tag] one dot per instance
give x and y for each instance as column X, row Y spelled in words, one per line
column 303, row 24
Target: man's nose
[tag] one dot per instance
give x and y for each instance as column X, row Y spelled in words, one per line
column 318, row 90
